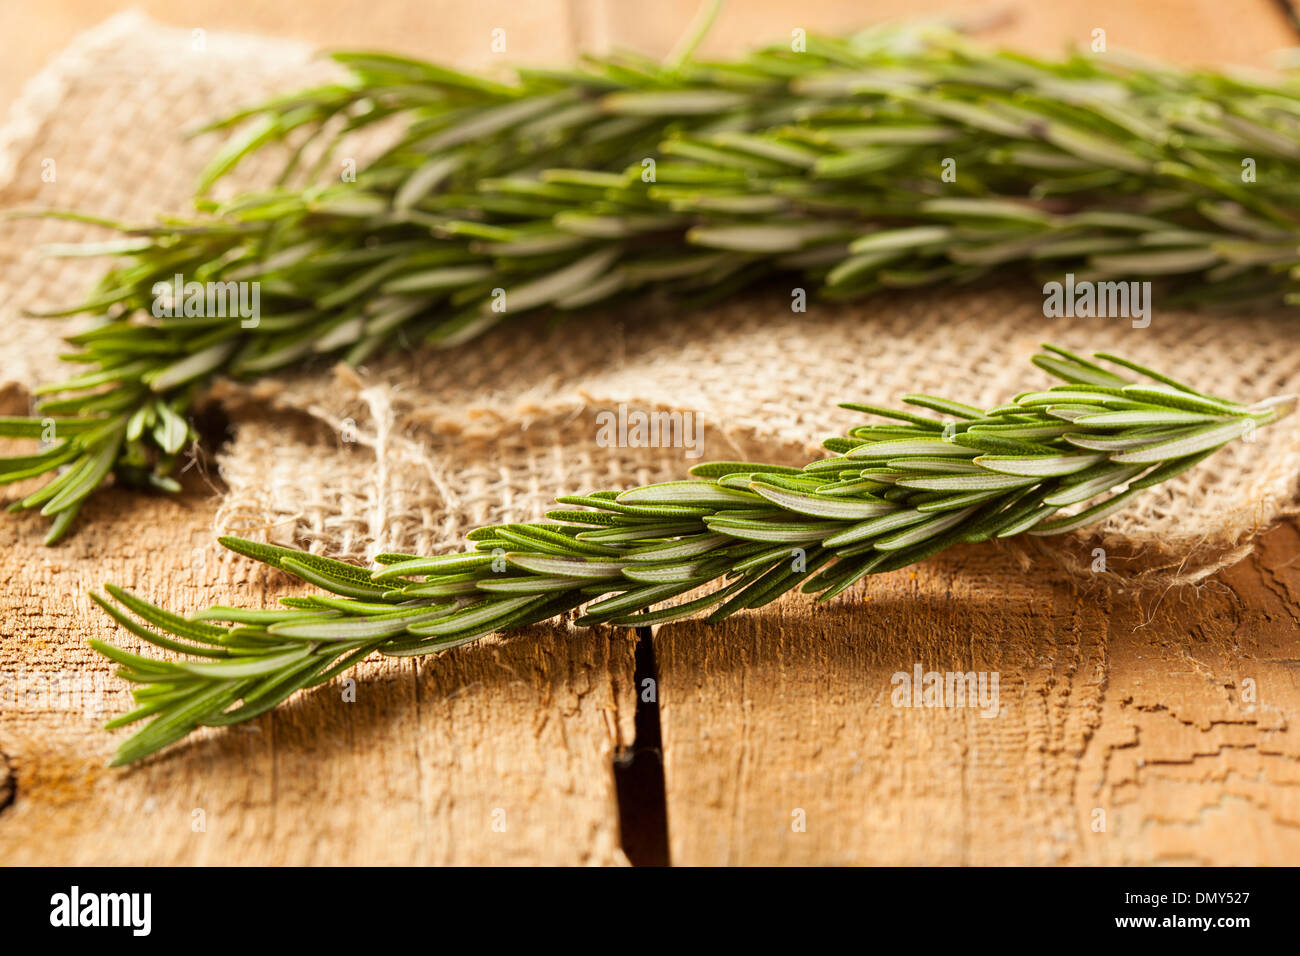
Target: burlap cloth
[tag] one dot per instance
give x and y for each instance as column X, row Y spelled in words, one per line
column 411, row 451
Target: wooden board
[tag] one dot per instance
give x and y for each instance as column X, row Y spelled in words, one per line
column 498, row 753
column 1127, row 730
column 505, row 752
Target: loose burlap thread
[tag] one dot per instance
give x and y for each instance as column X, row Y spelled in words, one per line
column 414, row 449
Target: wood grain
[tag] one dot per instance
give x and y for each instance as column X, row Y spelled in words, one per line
column 1129, row 711
column 1187, row 31
column 1134, row 706
column 500, row 752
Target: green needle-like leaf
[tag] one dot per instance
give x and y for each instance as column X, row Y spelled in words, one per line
column 568, row 189
column 742, row 533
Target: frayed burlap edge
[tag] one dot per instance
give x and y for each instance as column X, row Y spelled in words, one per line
column 428, row 435
column 414, row 450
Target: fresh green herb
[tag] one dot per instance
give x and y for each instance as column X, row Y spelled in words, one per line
column 893, row 158
column 741, row 534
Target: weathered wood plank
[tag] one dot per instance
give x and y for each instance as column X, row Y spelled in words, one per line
column 518, row 735
column 500, row 752
column 1127, row 705
column 1128, row 712
column 1131, row 706
column 1188, row 31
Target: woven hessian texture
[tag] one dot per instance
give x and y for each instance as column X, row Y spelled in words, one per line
column 415, row 449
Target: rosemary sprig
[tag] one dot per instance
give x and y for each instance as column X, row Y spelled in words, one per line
column 889, row 496
column 826, row 164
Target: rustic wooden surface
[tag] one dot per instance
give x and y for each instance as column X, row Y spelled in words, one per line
column 499, row 755
column 1159, row 728
column 1137, row 707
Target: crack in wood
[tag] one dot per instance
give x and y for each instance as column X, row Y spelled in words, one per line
column 639, row 769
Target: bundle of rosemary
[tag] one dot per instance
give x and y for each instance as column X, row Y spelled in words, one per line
column 890, row 495
column 889, row 159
